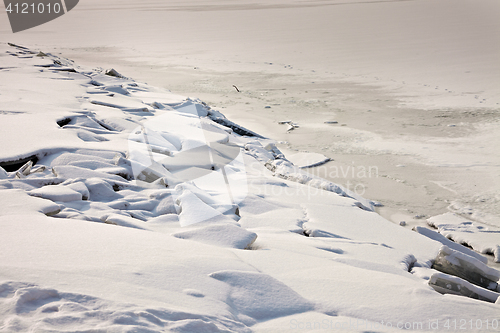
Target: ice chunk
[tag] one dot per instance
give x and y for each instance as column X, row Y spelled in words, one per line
column 194, row 210
column 71, row 158
column 120, row 102
column 308, row 160
column 122, row 220
column 80, row 121
column 283, row 168
column 24, row 170
column 88, row 136
column 116, row 89
column 119, row 124
column 166, row 206
column 72, row 172
column 226, row 235
column 466, row 267
column 3, row 173
column 113, row 72
column 445, row 241
column 56, row 193
column 100, row 190
column 447, row 284
column 260, row 153
column 80, row 188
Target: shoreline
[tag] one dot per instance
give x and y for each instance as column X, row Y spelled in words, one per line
column 418, row 101
column 372, row 131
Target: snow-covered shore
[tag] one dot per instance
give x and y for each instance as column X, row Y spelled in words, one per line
column 128, row 208
column 414, row 82
column 113, row 220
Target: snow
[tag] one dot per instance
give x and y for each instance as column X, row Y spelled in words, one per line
column 227, row 235
column 176, row 222
column 15, row 201
column 56, row 193
column 260, row 296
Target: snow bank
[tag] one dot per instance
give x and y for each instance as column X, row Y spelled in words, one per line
column 57, row 193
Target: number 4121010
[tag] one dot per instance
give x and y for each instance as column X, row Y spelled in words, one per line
column 32, row 8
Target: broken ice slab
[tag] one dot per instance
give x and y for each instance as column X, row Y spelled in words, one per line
column 481, row 237
column 452, row 245
column 466, row 267
column 447, row 284
column 24, row 170
column 3, row 173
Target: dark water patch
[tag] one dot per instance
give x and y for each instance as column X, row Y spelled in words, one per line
column 63, row 122
column 11, row 166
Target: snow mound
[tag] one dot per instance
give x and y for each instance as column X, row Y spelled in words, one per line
column 226, row 235
column 261, row 296
column 56, row 193
column 15, row 201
